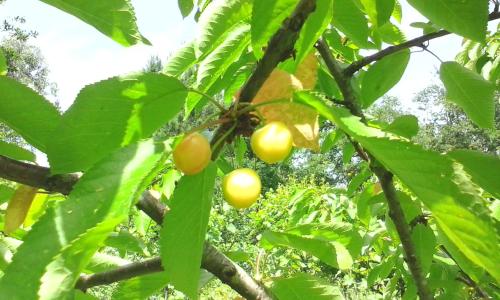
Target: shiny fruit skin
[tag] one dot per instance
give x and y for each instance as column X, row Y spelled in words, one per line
column 241, row 187
column 272, row 143
column 192, row 154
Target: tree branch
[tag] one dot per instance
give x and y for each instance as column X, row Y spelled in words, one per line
column 384, row 176
column 416, row 42
column 212, row 260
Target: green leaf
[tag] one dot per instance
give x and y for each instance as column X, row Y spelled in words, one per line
column 185, row 6
column 381, row 271
column 217, row 62
column 379, row 11
column 425, row 245
column 3, row 64
column 351, row 21
column 217, row 21
column 184, row 227
column 5, row 193
column 471, row 92
column 75, row 228
column 181, row 61
column 113, row 18
column 125, row 241
column 339, row 47
column 102, row 262
column 397, row 13
column 347, row 153
column 337, row 244
column 15, row 152
column 330, row 140
column 305, row 286
column 405, row 126
column 312, row 30
column 467, row 18
column 141, row 287
column 112, row 114
column 382, row 76
column 267, row 17
column 484, row 169
column 437, row 181
column 17, row 106
column 391, row 34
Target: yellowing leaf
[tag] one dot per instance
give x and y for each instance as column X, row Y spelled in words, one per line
column 36, row 209
column 307, row 71
column 301, row 120
column 18, row 207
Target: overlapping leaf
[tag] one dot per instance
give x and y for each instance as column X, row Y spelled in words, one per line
column 76, row 227
column 18, row 207
column 112, row 114
column 180, row 61
column 113, row 18
column 184, row 227
column 15, row 152
column 305, row 286
column 28, row 113
column 351, row 21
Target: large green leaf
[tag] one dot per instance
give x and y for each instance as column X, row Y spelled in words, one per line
column 217, row 21
column 484, row 169
column 75, row 228
column 125, row 241
column 467, row 18
column 183, row 234
column 15, row 152
column 351, row 21
column 113, row 18
column 405, row 125
column 425, row 245
column 313, row 28
column 267, row 17
column 112, row 114
column 337, row 245
column 3, row 64
column 436, row 180
column 305, row 286
column 180, row 61
column 382, row 76
column 140, row 287
column 471, row 92
column 28, row 113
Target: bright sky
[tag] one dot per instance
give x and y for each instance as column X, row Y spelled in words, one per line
column 78, row 55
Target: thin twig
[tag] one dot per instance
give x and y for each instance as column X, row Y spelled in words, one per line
column 210, row 98
column 416, row 42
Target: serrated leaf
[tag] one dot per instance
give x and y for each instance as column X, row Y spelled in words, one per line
column 304, row 286
column 351, row 21
column 125, row 241
column 347, row 153
column 382, row 76
column 169, row 182
column 425, row 246
column 102, row 262
column 140, row 287
column 183, row 234
column 217, row 21
column 397, row 13
column 6, row 193
column 379, row 11
column 17, row 104
column 313, row 28
column 112, row 114
column 320, row 241
column 467, row 18
column 180, row 61
column 3, row 64
column 330, row 140
column 307, row 71
column 381, row 271
column 113, row 18
column 484, row 169
column 185, row 6
column 471, row 92
column 18, row 207
column 36, row 210
column 15, row 152
column 436, row 180
column 328, row 85
column 76, row 227
column 267, row 17
column 405, row 126
column 391, row 34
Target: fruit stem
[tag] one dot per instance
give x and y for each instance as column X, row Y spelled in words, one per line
column 251, row 107
column 207, row 124
column 210, row 98
column 215, row 147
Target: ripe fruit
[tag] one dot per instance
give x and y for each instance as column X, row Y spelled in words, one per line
column 192, row 154
column 241, row 187
column 272, row 143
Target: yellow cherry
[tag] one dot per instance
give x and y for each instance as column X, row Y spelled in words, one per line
column 192, row 154
column 241, row 187
column 272, row 143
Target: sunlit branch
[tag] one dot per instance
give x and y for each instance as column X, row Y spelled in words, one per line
column 416, row 42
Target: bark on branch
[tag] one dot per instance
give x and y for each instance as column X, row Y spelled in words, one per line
column 416, row 42
column 384, row 176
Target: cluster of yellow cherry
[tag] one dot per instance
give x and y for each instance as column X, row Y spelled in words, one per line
column 271, row 143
